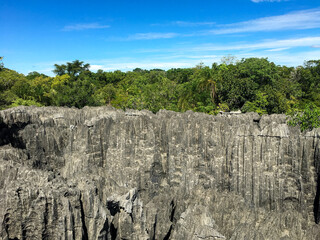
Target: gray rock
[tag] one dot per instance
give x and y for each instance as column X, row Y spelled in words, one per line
column 101, row 173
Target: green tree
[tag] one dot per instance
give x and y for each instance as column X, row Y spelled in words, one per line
column 60, row 91
column 259, row 105
column 180, row 75
column 207, row 82
column 307, row 119
column 252, row 84
column 196, row 93
column 1, row 64
column 309, row 78
column 60, row 69
column 73, row 69
column 34, row 74
column 40, row 88
column 8, row 79
column 83, row 91
column 232, row 88
column 259, row 70
column 105, row 95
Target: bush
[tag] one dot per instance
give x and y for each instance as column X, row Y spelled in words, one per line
column 307, row 119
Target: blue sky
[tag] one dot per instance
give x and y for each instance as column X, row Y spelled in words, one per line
column 165, row 34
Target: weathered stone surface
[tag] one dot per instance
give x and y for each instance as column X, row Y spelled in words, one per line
column 101, row 173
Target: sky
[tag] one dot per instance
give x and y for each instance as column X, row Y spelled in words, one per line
column 123, row 35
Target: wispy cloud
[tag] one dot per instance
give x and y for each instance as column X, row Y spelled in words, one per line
column 84, row 26
column 185, row 24
column 172, row 60
column 258, row 1
column 192, row 24
column 277, row 49
column 288, row 59
column 95, row 67
column 183, row 61
column 201, row 56
column 159, row 35
column 135, row 63
column 151, row 36
column 276, row 45
column 270, row 45
column 306, row 19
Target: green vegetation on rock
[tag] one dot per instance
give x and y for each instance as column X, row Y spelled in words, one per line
column 306, row 119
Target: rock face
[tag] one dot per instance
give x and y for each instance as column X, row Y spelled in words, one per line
column 101, row 173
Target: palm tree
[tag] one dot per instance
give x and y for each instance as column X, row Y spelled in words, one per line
column 207, row 82
column 72, row 68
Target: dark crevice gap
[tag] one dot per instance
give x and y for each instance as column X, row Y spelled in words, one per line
column 154, row 228
column 173, row 209
column 45, row 219
column 10, row 135
column 131, row 216
column 24, row 231
column 104, row 231
column 5, row 224
column 113, row 232
column 316, row 204
column 167, row 236
column 113, row 207
column 84, row 227
column 22, row 224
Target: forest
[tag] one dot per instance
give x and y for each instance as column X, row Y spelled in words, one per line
column 250, row 85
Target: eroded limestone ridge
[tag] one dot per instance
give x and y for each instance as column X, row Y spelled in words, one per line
column 101, row 173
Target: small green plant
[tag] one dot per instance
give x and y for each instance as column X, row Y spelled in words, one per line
column 307, row 119
column 28, row 102
column 222, row 107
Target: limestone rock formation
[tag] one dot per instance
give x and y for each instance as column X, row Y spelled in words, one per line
column 102, row 173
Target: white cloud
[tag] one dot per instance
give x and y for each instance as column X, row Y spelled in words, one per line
column 288, row 59
column 46, row 71
column 258, row 1
column 307, row 48
column 277, row 49
column 96, row 67
column 172, row 60
column 306, row 19
column 185, row 24
column 84, row 26
column 186, row 61
column 192, row 24
column 201, row 56
column 151, row 36
column 272, row 45
column 112, row 65
column 271, row 48
column 267, row 44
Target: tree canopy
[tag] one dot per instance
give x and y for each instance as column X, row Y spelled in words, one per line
column 71, row 68
column 251, row 84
